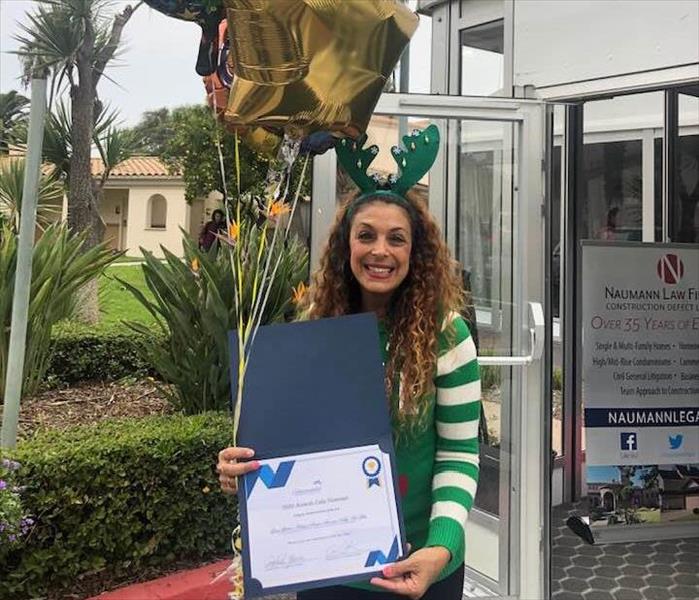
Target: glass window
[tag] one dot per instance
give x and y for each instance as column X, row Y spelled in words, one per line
column 557, row 272
column 487, row 157
column 658, row 188
column 483, row 60
column 412, row 74
column 619, row 181
column 684, row 207
column 613, row 191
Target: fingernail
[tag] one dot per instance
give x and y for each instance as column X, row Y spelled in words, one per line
column 249, row 452
column 256, row 464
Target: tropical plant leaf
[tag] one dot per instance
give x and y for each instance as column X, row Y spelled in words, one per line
column 195, row 300
column 59, row 269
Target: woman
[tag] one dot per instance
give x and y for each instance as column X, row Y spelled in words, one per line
column 209, row 233
column 385, row 254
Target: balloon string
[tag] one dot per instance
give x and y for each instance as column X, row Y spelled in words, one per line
column 288, row 153
column 279, row 257
column 234, row 255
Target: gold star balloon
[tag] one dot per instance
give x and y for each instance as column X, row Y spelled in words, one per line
column 313, row 65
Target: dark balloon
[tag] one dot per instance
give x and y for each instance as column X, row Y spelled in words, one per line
column 205, row 13
column 318, row 143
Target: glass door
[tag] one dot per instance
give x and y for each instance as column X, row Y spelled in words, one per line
column 487, row 192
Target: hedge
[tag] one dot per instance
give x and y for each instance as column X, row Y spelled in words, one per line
column 82, row 353
column 119, row 496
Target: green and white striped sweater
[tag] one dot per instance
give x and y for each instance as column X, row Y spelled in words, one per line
column 438, row 466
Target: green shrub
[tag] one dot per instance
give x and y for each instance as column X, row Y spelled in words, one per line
column 84, row 353
column 60, row 267
column 118, row 496
column 194, row 304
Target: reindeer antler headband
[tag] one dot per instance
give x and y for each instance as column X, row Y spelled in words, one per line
column 414, row 160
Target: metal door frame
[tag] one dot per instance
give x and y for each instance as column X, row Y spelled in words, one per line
column 523, row 540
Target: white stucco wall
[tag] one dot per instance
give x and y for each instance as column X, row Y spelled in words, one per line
column 558, row 43
column 113, row 200
column 138, row 232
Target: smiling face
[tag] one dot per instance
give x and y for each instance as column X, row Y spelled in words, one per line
column 380, row 245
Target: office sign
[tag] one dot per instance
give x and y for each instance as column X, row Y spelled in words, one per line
column 640, row 348
column 640, row 387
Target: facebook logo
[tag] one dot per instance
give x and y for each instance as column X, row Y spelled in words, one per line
column 629, row 441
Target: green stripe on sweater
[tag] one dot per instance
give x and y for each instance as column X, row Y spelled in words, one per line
column 469, row 446
column 464, row 374
column 460, row 413
column 453, row 494
column 455, row 466
column 452, row 336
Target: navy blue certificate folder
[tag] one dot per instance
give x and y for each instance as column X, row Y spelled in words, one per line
column 312, row 386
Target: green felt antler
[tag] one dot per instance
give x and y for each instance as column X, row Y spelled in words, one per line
column 356, row 160
column 414, row 160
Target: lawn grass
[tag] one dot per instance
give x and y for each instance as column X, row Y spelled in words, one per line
column 128, row 259
column 117, row 303
column 649, row 515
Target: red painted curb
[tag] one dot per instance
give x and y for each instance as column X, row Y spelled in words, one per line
column 185, row 585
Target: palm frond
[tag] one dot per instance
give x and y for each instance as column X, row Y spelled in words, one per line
column 52, row 36
column 57, row 148
column 49, row 202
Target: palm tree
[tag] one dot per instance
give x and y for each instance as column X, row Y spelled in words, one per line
column 13, row 115
column 75, row 40
column 113, row 144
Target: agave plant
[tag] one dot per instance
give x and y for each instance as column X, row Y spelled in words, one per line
column 50, row 199
column 194, row 304
column 60, row 267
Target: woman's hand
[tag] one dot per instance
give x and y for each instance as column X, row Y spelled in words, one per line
column 229, row 469
column 414, row 575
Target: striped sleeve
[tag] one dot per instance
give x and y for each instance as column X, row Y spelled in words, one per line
column 457, row 414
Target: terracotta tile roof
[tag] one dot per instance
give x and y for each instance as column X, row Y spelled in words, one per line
column 137, row 167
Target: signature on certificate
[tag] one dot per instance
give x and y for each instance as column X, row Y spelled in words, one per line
column 283, row 561
column 345, row 551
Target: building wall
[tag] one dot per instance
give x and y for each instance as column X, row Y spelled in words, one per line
column 558, row 43
column 138, row 231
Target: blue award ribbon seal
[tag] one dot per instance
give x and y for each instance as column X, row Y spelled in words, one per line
column 372, row 467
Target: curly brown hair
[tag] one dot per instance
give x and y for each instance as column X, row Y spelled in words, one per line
column 430, row 291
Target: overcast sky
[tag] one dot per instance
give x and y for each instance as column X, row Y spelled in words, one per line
column 156, row 67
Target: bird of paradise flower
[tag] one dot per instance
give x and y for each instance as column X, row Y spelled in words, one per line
column 246, row 246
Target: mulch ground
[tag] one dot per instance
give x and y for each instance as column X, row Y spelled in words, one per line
column 89, row 403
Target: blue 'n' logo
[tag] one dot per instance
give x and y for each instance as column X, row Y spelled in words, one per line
column 269, row 477
column 377, row 556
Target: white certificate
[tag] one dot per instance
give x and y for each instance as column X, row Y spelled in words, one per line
column 321, row 516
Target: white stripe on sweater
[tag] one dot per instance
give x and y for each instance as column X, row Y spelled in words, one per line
column 460, row 355
column 449, row 318
column 454, row 479
column 462, row 394
column 452, row 510
column 458, row 431
column 449, row 455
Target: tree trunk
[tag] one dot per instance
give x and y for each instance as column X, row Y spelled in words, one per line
column 84, row 196
column 81, row 200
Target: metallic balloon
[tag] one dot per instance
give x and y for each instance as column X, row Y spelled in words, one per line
column 217, row 87
column 313, row 65
column 207, row 14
